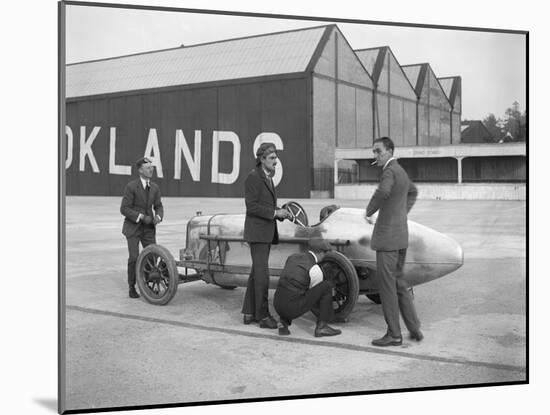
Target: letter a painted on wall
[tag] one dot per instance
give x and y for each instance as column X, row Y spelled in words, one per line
column 152, row 151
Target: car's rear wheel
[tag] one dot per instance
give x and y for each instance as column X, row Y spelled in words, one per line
column 157, row 275
column 338, row 269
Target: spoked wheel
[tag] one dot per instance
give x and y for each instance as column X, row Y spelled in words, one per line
column 338, row 269
column 297, row 212
column 157, row 274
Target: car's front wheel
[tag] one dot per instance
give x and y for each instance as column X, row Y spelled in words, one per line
column 157, row 274
column 339, row 269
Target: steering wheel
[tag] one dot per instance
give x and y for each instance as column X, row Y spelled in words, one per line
column 297, row 213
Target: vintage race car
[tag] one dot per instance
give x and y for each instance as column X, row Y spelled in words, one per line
column 217, row 254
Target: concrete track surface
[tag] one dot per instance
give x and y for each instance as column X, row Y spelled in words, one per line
column 124, row 352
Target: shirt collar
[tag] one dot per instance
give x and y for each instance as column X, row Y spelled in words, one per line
column 143, row 182
column 314, row 256
column 390, row 159
column 267, row 174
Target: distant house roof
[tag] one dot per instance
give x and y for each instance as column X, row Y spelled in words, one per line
column 474, row 131
column 262, row 55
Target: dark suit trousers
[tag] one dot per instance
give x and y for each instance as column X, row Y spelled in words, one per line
column 394, row 292
column 146, row 235
column 291, row 304
column 256, row 296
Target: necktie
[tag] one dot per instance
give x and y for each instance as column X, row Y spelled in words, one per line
column 147, row 189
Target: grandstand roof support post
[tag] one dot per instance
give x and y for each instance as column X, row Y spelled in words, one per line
column 459, row 160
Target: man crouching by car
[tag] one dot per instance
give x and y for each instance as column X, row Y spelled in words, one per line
column 301, row 287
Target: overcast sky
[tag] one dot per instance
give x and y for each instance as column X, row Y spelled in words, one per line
column 492, row 65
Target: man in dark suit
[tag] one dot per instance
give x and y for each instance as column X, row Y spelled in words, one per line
column 301, row 287
column 260, row 231
column 142, row 209
column 393, row 199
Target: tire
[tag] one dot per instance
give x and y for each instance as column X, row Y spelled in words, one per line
column 375, row 298
column 338, row 269
column 157, row 275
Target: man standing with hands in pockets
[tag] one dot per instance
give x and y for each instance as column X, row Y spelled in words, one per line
column 393, row 199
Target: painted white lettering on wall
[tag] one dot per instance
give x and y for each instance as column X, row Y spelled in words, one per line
column 194, row 164
column 276, row 140
column 86, row 148
column 113, row 167
column 230, row 137
column 152, row 151
column 193, row 160
column 69, row 159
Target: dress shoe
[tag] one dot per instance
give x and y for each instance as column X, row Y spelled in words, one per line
column 416, row 335
column 283, row 329
column 323, row 329
column 388, row 340
column 248, row 319
column 268, row 323
column 133, row 293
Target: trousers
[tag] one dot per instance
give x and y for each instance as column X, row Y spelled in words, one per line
column 145, row 235
column 291, row 304
column 256, row 295
column 394, row 292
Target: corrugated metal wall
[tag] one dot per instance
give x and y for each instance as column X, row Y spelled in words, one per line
column 234, row 114
column 342, row 107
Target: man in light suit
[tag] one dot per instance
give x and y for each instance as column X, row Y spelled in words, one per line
column 260, row 231
column 142, row 209
column 393, row 199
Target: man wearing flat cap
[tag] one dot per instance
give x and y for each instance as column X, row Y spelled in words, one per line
column 301, row 287
column 142, row 209
column 260, row 231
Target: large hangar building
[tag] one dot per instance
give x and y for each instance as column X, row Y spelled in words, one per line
column 201, row 111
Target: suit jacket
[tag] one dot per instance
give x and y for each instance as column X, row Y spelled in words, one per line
column 395, row 196
column 261, row 202
column 295, row 275
column 135, row 201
